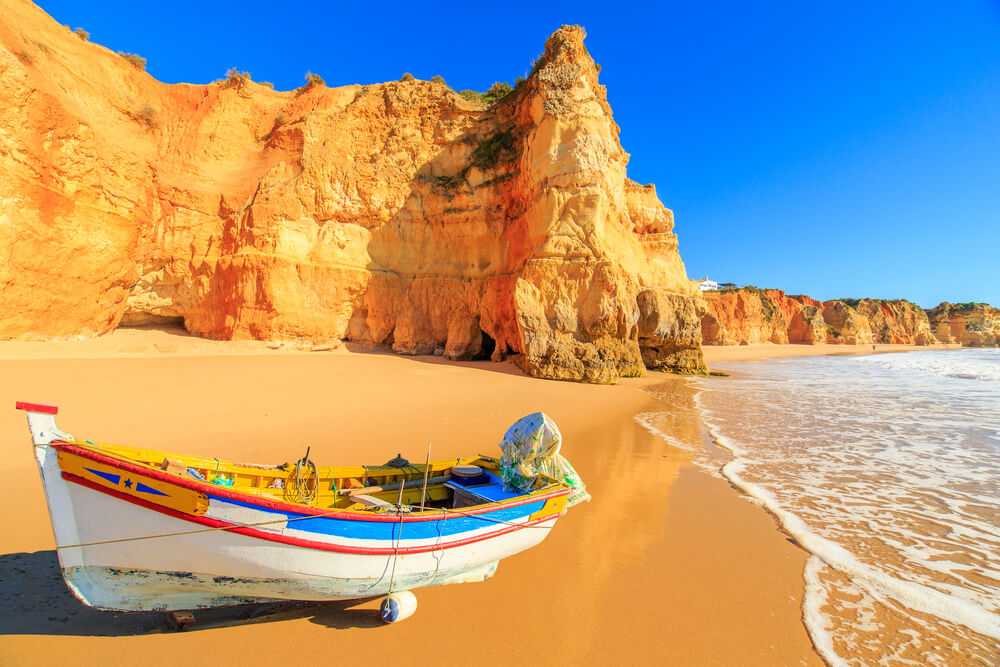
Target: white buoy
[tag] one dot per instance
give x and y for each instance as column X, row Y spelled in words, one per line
column 398, row 606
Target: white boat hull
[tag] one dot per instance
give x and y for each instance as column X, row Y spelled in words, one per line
column 136, row 558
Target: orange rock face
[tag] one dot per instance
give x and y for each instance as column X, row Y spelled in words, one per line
column 969, row 324
column 747, row 315
column 396, row 214
column 865, row 321
column 753, row 315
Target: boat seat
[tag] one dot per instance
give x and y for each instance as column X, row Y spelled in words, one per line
column 490, row 492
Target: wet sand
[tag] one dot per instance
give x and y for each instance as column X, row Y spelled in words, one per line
column 666, row 564
column 715, row 354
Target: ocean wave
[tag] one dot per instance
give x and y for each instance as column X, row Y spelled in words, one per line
column 885, row 469
column 967, row 364
column 916, row 596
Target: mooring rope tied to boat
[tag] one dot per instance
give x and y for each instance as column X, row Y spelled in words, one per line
column 399, row 536
column 444, row 514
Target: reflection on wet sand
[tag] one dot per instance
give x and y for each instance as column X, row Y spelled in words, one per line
column 607, row 554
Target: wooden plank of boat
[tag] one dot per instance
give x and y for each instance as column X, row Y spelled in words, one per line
column 411, row 484
column 370, row 501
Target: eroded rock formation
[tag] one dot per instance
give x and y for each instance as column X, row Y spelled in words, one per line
column 752, row 315
column 969, row 324
column 396, row 214
column 747, row 315
column 863, row 321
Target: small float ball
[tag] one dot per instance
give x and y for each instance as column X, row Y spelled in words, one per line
column 398, row 606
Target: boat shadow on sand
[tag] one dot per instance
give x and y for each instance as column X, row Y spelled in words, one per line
column 37, row 602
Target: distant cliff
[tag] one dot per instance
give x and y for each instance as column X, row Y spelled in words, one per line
column 399, row 214
column 971, row 324
column 751, row 315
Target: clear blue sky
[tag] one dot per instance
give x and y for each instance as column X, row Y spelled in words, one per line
column 833, row 149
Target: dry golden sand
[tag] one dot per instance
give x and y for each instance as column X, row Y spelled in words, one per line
column 666, row 564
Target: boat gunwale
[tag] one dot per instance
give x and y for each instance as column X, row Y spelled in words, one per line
column 248, row 531
column 277, row 505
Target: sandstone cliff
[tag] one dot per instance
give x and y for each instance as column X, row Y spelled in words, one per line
column 969, row 324
column 747, row 315
column 752, row 315
column 395, row 214
column 863, row 321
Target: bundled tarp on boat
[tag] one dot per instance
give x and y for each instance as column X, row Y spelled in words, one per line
column 531, row 446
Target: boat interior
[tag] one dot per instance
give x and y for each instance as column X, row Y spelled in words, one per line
column 392, row 487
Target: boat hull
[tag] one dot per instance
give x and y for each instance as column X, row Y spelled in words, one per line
column 138, row 555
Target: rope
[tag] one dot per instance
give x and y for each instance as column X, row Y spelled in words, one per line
column 395, row 547
column 399, row 508
column 439, row 553
column 444, row 514
column 304, row 494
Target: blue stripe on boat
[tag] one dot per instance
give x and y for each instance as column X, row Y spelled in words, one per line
column 386, row 530
column 114, row 479
column 139, row 486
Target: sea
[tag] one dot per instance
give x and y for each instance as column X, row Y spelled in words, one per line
column 885, row 468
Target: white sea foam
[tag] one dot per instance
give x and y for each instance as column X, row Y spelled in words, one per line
column 649, row 420
column 913, row 595
column 886, row 469
column 818, row 623
column 969, row 364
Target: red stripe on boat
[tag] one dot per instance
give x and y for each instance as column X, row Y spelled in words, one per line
column 296, row 541
column 36, row 407
column 222, row 492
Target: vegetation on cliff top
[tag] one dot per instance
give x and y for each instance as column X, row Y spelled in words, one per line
column 236, row 78
column 495, row 93
column 134, row 59
column 768, row 308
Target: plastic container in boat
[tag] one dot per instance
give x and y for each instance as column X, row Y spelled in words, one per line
column 469, row 475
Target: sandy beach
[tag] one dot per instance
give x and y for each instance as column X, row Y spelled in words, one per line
column 750, row 504
column 666, row 563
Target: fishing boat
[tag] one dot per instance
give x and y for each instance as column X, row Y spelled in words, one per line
column 146, row 530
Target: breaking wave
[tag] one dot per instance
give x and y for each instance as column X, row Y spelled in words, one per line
column 886, row 469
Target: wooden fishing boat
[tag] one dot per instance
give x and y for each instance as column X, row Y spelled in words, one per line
column 139, row 529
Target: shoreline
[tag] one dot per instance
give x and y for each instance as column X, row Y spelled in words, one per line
column 666, row 563
column 752, row 418
column 715, row 354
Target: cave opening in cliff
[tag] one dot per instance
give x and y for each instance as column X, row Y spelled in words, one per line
column 486, row 348
column 166, row 323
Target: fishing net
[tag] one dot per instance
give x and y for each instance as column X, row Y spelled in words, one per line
column 531, row 446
